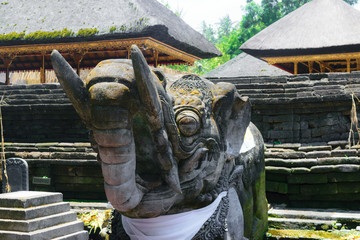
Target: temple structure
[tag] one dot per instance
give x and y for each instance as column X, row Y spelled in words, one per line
column 244, row 65
column 88, row 31
column 321, row 36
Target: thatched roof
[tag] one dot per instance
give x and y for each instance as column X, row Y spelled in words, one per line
column 113, row 19
column 245, row 65
column 318, row 27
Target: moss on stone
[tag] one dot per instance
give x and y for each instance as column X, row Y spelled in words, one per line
column 12, row 36
column 86, row 32
column 49, row 35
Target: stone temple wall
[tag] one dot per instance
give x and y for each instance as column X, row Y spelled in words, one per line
column 302, row 108
column 304, row 119
column 39, row 113
column 305, row 122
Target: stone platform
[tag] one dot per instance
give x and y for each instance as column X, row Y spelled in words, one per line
column 27, row 215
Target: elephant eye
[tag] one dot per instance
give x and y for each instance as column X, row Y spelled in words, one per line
column 188, row 123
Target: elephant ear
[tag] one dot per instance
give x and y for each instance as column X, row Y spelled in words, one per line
column 233, row 114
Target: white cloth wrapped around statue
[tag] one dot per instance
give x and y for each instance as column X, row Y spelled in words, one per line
column 181, row 226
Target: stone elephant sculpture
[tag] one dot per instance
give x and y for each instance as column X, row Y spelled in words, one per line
column 170, row 151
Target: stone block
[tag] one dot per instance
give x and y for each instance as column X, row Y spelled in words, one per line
column 339, row 160
column 278, row 118
column 347, row 168
column 17, row 175
column 305, row 133
column 344, row 177
column 48, row 233
column 307, row 178
column 300, row 170
column 276, row 177
column 344, row 153
column 315, row 148
column 26, row 199
column 285, row 155
column 318, row 154
column 37, row 223
column 277, row 187
column 350, row 187
column 278, row 170
column 319, row 189
column 33, row 212
column 335, row 144
column 293, row 189
column 323, row 169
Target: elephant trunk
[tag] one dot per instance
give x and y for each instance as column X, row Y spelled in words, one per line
column 117, row 152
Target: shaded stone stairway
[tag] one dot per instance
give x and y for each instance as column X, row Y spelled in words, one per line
column 38, row 216
column 281, row 217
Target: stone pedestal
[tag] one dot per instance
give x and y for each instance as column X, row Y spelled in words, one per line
column 28, row 215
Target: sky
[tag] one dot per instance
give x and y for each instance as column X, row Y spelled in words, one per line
column 194, row 12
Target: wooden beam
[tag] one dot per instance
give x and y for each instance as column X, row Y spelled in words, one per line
column 348, row 66
column 307, row 58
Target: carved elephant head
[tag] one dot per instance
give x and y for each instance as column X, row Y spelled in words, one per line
column 162, row 145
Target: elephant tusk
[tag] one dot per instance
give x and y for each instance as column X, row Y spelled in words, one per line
column 150, row 99
column 73, row 86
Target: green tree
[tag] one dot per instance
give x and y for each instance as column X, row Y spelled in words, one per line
column 228, row 37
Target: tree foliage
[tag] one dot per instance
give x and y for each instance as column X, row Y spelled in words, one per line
column 228, row 36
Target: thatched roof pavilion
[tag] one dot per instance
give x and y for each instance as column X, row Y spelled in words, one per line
column 320, row 36
column 245, row 65
column 88, row 31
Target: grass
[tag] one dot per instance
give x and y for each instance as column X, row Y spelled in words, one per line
column 309, row 234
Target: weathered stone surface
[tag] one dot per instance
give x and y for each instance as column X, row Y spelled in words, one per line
column 339, row 160
column 315, row 148
column 26, row 199
column 307, row 178
column 344, row 153
column 33, row 212
column 277, row 187
column 36, row 224
column 48, row 233
column 318, row 154
column 344, row 177
column 276, row 177
column 279, row 170
column 349, row 187
column 319, row 189
column 323, row 169
column 285, row 155
column 300, row 170
column 347, row 168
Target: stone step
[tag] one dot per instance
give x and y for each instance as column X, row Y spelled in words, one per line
column 329, row 215
column 34, row 212
column 298, row 223
column 26, row 199
column 81, row 235
column 47, row 233
column 37, row 223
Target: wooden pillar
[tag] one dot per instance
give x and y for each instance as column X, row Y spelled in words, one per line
column 322, row 67
column 42, row 70
column 128, row 52
column 156, row 57
column 311, row 66
column 7, row 61
column 78, row 57
column 357, row 64
column 348, row 67
column 295, row 68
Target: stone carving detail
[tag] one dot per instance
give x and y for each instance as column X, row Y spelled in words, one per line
column 165, row 147
column 18, row 175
